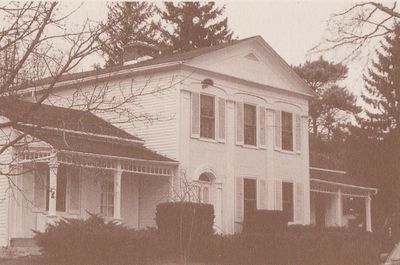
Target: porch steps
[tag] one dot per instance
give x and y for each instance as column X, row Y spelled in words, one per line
column 20, row 247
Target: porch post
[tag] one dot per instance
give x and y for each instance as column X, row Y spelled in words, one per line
column 117, row 193
column 368, row 224
column 339, row 208
column 53, row 167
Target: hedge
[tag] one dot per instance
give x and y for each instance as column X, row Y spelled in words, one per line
column 93, row 241
column 295, row 246
column 265, row 221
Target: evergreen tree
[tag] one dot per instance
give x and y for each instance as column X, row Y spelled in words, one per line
column 327, row 110
column 190, row 25
column 130, row 22
column 382, row 85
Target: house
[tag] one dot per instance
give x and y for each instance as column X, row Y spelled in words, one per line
column 231, row 120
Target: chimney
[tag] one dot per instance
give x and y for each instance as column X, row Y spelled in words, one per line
column 138, row 52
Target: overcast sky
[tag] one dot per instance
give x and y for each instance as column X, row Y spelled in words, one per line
column 291, row 27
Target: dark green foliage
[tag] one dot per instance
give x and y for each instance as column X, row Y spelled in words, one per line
column 297, row 245
column 265, row 221
column 332, row 101
column 190, row 25
column 93, row 241
column 383, row 87
column 127, row 22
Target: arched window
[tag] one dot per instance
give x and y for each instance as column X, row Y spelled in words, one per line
column 204, row 177
column 107, row 198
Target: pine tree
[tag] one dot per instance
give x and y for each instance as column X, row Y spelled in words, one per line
column 131, row 22
column 327, row 109
column 190, row 25
column 382, row 86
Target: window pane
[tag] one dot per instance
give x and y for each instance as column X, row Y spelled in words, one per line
column 250, row 128
column 287, row 199
column 287, row 131
column 61, row 189
column 250, row 189
column 207, row 117
column 205, row 195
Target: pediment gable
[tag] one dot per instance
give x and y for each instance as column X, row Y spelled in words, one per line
column 252, row 60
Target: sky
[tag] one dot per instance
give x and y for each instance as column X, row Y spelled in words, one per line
column 291, row 27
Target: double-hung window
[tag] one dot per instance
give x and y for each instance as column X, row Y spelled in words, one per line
column 287, row 200
column 107, row 198
column 287, row 131
column 249, row 196
column 250, row 127
column 207, row 117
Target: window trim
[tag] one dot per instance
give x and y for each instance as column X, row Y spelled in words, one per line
column 256, row 126
column 214, row 139
column 293, row 136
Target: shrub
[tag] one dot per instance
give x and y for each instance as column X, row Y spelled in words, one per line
column 93, row 241
column 297, row 245
column 183, row 223
column 265, row 221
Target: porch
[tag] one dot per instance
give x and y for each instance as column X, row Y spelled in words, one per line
column 337, row 201
column 67, row 169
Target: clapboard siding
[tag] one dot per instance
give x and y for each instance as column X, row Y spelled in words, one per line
column 5, row 158
column 154, row 106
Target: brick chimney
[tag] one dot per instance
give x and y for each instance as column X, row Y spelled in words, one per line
column 138, row 51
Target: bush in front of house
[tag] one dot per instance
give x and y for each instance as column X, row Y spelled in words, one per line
column 184, row 224
column 265, row 221
column 94, row 241
column 298, row 245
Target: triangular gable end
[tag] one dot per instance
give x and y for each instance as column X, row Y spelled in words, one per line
column 252, row 60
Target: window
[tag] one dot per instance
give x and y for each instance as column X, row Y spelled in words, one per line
column 249, row 196
column 61, row 193
column 250, row 128
column 207, row 117
column 287, row 200
column 287, row 131
column 107, row 198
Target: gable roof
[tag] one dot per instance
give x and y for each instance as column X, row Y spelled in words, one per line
column 182, row 57
column 163, row 59
column 59, row 118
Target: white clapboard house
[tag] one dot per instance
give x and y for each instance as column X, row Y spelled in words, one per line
column 231, row 120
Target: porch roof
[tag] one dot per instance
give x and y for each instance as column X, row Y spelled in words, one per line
column 49, row 116
column 89, row 144
column 338, row 178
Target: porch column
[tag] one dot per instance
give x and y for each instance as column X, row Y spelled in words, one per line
column 53, row 167
column 339, row 209
column 117, row 194
column 368, row 224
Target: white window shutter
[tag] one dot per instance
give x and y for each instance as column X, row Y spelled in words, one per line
column 239, row 123
column 195, row 115
column 278, row 195
column 299, row 203
column 298, row 132
column 74, row 193
column 278, row 129
column 221, row 119
column 239, row 200
column 262, row 190
column 262, row 130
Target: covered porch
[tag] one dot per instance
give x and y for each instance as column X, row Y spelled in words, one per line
column 336, row 200
column 71, row 164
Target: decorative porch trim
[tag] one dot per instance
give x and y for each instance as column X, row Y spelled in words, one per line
column 141, row 166
column 317, row 185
